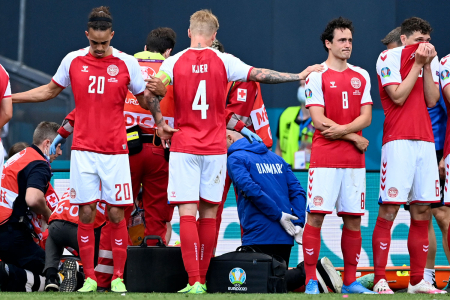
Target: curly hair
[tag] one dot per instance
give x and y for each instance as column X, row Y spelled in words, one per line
column 338, row 23
column 411, row 25
column 100, row 12
column 161, row 39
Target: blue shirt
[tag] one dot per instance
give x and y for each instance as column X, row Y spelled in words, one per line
column 438, row 116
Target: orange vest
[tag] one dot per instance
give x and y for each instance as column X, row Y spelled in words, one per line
column 136, row 115
column 36, row 220
column 10, row 187
column 69, row 212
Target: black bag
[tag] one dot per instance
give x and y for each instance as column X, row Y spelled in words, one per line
column 134, row 141
column 154, row 268
column 246, row 271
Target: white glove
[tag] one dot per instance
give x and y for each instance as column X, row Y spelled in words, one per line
column 298, row 234
column 285, row 221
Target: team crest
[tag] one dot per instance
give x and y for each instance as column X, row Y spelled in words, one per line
column 73, row 193
column 318, row 201
column 385, row 72
column 308, row 94
column 445, row 74
column 112, row 70
column 356, row 83
column 392, row 192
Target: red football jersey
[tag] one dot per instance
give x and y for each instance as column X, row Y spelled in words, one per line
column 100, row 86
column 410, row 121
column 341, row 94
column 200, row 77
column 5, row 85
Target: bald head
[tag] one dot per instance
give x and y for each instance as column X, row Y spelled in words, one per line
column 232, row 136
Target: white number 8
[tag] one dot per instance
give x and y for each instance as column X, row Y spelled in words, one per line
column 344, row 100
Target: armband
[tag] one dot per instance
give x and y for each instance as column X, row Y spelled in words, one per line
column 165, row 78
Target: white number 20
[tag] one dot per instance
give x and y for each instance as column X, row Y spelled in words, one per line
column 100, row 85
column 200, row 96
column 344, row 100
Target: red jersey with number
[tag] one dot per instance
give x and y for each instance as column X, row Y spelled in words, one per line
column 100, row 86
column 341, row 94
column 199, row 77
column 411, row 121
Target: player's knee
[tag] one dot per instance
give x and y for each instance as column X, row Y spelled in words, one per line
column 116, row 214
column 86, row 213
column 315, row 220
column 388, row 211
column 420, row 212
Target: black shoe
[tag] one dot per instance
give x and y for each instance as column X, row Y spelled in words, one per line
column 69, row 272
column 3, row 277
column 326, row 271
column 51, row 285
column 103, row 290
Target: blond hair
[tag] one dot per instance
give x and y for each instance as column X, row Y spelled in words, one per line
column 204, row 22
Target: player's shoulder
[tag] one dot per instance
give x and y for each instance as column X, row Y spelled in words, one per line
column 316, row 76
column 74, row 54
column 445, row 61
column 393, row 54
column 359, row 70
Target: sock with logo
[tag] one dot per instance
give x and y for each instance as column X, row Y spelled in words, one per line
column 190, row 247
column 381, row 241
column 428, row 275
column 119, row 244
column 418, row 249
column 351, row 248
column 86, row 245
column 311, row 250
column 207, row 238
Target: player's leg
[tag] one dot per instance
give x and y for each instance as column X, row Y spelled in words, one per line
column 105, row 267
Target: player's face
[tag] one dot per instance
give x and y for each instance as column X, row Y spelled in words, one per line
column 341, row 47
column 99, row 41
column 58, row 153
column 416, row 37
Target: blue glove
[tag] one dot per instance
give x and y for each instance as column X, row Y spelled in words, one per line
column 58, row 140
column 250, row 135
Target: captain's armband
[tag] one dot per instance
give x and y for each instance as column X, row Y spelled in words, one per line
column 165, row 78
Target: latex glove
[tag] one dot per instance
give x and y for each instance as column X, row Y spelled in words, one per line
column 250, row 135
column 58, row 140
column 285, row 221
column 298, row 234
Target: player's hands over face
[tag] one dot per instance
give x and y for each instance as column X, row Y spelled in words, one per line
column 334, row 132
column 442, row 169
column 165, row 133
column 156, row 86
column 422, row 54
column 431, row 52
column 308, row 70
column 362, row 143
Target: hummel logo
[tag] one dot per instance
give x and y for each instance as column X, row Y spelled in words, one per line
column 333, row 84
column 309, row 251
column 118, row 242
column 357, row 257
column 85, row 69
column 85, row 239
column 425, row 248
column 383, row 246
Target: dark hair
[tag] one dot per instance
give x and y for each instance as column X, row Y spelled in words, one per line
column 16, row 148
column 393, row 37
column 339, row 23
column 409, row 26
column 218, row 46
column 161, row 39
column 45, row 130
column 103, row 13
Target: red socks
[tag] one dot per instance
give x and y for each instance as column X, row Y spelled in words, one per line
column 311, row 249
column 418, row 249
column 119, row 243
column 381, row 241
column 351, row 248
column 190, row 247
column 207, row 236
column 86, row 244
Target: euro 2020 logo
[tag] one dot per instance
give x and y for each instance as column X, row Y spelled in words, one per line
column 385, row 72
column 237, row 277
column 308, row 94
column 445, row 74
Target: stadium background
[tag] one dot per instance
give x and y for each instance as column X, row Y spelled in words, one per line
column 276, row 34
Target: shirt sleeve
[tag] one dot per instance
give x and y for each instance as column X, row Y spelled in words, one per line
column 62, row 77
column 8, row 90
column 366, row 98
column 38, row 176
column 444, row 71
column 137, row 83
column 313, row 90
column 435, row 69
column 388, row 68
column 236, row 69
column 166, row 71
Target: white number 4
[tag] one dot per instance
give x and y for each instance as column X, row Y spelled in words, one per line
column 200, row 96
column 344, row 100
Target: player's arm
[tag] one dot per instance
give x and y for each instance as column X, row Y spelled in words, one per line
column 6, row 111
column 36, row 201
column 337, row 131
column 430, row 79
column 39, row 94
column 270, row 76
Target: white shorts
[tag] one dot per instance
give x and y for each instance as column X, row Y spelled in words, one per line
column 343, row 188
column 100, row 177
column 193, row 177
column 409, row 173
column 447, row 177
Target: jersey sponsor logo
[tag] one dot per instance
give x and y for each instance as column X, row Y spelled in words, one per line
column 333, row 84
column 200, row 68
column 308, row 94
column 85, row 69
column 392, row 192
column 318, row 201
column 259, row 117
column 385, row 72
column 445, row 74
column 242, row 95
column 147, row 71
column 357, row 93
column 73, row 193
column 356, row 83
column 112, row 70
column 264, row 168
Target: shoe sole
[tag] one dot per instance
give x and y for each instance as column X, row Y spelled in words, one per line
column 329, row 275
column 52, row 287
column 321, row 284
column 70, row 268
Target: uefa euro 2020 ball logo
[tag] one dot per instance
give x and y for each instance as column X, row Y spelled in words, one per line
column 237, row 276
column 445, row 74
column 385, row 72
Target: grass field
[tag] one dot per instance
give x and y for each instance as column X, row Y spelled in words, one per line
column 136, row 296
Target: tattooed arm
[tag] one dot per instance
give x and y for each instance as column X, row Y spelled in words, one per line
column 270, row 76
